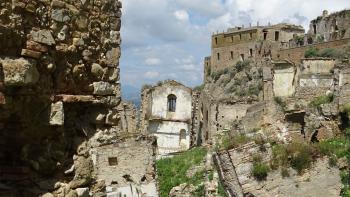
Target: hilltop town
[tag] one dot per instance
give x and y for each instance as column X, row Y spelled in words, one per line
column 270, row 119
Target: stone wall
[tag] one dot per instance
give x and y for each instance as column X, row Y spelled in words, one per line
column 127, row 163
column 59, row 92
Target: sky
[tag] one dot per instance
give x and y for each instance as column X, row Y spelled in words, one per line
column 168, row 39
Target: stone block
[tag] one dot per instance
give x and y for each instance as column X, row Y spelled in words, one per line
column 43, row 36
column 31, row 53
column 112, row 117
column 103, row 88
column 113, row 56
column 19, row 72
column 60, row 15
column 36, row 46
column 82, row 192
column 57, row 114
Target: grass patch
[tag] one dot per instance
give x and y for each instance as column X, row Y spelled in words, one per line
column 172, row 171
column 335, row 146
column 221, row 190
column 316, row 102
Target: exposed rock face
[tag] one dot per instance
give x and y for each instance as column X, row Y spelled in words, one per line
column 59, row 93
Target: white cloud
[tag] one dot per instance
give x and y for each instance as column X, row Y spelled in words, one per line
column 151, row 74
column 190, row 67
column 181, row 15
column 152, row 61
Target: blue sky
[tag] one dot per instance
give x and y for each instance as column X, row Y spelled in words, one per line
column 168, row 39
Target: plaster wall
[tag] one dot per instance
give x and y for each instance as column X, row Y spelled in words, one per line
column 168, row 136
column 283, row 81
column 317, row 66
column 159, row 109
column 316, row 81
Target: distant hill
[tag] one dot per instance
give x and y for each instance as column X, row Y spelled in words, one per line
column 131, row 94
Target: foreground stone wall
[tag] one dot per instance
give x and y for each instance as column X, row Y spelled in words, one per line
column 59, row 93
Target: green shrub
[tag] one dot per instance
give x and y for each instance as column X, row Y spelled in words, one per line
column 346, row 109
column 260, row 171
column 301, row 156
column 241, row 65
column 331, row 53
column 316, row 102
column 199, row 88
column 310, row 52
column 279, row 156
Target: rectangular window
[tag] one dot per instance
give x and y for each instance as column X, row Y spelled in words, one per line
column 231, row 55
column 265, row 35
column 251, row 35
column 218, row 56
column 112, row 161
column 277, row 35
column 240, row 36
column 216, row 40
column 251, row 52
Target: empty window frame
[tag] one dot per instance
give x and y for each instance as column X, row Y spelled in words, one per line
column 171, row 103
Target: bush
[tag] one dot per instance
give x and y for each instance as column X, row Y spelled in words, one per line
column 316, row 102
column 229, row 141
column 311, row 52
column 260, row 171
column 300, row 156
column 331, row 53
column 199, row 88
column 336, row 146
column 332, row 161
column 241, row 65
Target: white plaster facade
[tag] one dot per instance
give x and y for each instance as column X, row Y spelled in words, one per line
column 172, row 128
column 284, row 77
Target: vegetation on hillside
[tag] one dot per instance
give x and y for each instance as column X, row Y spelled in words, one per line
column 318, row 101
column 172, row 171
column 326, row 53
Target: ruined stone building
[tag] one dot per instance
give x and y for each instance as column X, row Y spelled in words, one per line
column 274, row 96
column 249, row 43
column 329, row 27
column 166, row 113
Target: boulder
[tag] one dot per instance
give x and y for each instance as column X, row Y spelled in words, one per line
column 82, row 192
column 43, row 36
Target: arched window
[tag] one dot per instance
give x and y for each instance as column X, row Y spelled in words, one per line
column 171, row 103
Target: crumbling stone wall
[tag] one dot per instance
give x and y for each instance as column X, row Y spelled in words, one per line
column 235, row 173
column 60, row 92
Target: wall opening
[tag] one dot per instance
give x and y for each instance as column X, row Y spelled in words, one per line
column 240, row 36
column 250, row 35
column 171, row 103
column 231, row 55
column 112, row 161
column 251, row 52
column 216, row 40
column 265, row 35
column 218, row 56
column 182, row 137
column 314, row 28
column 277, row 35
column 242, row 57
